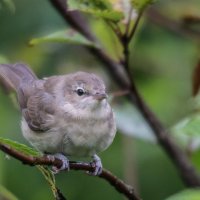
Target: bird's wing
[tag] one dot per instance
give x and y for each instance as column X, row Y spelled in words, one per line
column 39, row 111
column 36, row 104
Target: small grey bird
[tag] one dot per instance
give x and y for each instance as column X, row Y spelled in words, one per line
column 63, row 116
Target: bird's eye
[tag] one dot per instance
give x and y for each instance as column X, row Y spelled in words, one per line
column 80, row 91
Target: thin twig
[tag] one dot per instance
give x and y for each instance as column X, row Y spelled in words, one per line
column 132, row 32
column 177, row 27
column 118, row 184
column 115, row 28
column 129, row 21
column 181, row 161
column 120, row 93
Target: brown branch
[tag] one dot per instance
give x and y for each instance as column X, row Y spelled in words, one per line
column 116, row 70
column 128, row 24
column 130, row 36
column 180, row 159
column 74, row 18
column 177, row 27
column 118, row 184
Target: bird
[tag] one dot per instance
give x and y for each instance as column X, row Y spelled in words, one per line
column 63, row 115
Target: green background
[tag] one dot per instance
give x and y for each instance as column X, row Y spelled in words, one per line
column 163, row 63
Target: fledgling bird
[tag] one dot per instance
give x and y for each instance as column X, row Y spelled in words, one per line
column 66, row 115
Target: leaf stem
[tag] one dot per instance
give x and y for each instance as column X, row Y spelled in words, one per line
column 133, row 30
column 129, row 21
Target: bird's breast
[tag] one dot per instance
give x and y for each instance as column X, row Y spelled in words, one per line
column 80, row 135
column 87, row 136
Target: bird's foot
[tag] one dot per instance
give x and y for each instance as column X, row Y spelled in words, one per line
column 96, row 163
column 65, row 163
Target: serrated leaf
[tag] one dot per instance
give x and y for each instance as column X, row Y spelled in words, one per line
column 141, row 4
column 66, row 36
column 191, row 194
column 20, row 147
column 6, row 194
column 97, row 8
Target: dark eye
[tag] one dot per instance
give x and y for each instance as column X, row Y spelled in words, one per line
column 80, row 91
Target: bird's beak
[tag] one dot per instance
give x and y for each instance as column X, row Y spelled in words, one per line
column 99, row 96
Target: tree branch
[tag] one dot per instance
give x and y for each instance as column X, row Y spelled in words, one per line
column 178, row 27
column 130, row 36
column 116, row 70
column 118, row 184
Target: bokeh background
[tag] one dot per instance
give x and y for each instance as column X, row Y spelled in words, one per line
column 163, row 63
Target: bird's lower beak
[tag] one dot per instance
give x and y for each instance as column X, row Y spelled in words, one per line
column 99, row 96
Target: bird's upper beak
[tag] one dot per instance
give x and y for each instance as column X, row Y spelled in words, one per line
column 100, row 96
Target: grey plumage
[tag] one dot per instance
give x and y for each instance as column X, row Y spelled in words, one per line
column 30, row 92
column 15, row 74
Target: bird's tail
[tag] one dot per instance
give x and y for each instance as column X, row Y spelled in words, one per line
column 12, row 75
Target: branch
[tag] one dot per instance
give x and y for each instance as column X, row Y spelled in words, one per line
column 117, row 72
column 118, row 184
column 130, row 36
column 74, row 18
column 187, row 171
column 175, row 26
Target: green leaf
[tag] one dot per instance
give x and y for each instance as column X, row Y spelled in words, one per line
column 20, row 147
column 6, row 194
column 141, row 4
column 111, row 15
column 192, row 194
column 92, row 4
column 48, row 175
column 66, row 36
column 97, row 8
column 187, row 132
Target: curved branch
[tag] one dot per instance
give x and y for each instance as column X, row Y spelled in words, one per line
column 117, row 71
column 118, row 184
column 178, row 27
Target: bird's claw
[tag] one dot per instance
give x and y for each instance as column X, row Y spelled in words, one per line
column 65, row 163
column 96, row 163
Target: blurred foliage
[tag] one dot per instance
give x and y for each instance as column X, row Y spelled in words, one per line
column 186, row 195
column 141, row 4
column 46, row 172
column 9, row 4
column 5, row 194
column 19, row 147
column 98, row 8
column 162, row 63
column 67, row 36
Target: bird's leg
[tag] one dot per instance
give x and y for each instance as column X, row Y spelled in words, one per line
column 65, row 162
column 97, row 165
